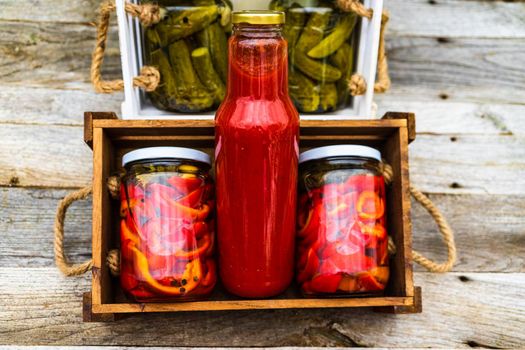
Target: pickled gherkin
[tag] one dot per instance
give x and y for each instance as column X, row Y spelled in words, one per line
column 304, row 93
column 321, row 40
column 191, row 95
column 207, row 74
column 214, row 38
column 332, row 42
column 183, row 23
column 189, row 48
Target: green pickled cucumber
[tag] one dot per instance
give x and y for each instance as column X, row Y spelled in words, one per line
column 153, row 38
column 304, row 93
column 295, row 18
column 343, row 59
column 277, row 5
column 313, row 32
column 317, row 70
column 182, row 23
column 168, row 85
column 191, row 95
column 214, row 38
column 334, row 40
column 329, row 97
column 203, row 66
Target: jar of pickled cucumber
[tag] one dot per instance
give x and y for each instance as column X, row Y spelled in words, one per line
column 322, row 41
column 167, row 228
column 189, row 48
column 342, row 241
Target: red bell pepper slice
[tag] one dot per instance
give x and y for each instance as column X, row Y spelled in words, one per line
column 154, row 190
column 172, row 208
column 194, row 198
column 364, row 182
column 370, row 206
column 311, row 267
column 325, row 283
column 186, row 183
column 369, row 283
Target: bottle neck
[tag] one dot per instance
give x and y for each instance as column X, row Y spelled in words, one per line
column 258, row 61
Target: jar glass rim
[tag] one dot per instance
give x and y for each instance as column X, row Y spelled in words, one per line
column 152, row 153
column 340, row 151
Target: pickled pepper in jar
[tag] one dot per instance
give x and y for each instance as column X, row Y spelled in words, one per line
column 167, row 224
column 342, row 240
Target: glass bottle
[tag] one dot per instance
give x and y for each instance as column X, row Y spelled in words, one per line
column 257, row 134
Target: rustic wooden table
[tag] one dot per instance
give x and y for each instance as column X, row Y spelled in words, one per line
column 458, row 64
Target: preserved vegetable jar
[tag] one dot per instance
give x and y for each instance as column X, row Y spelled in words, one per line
column 167, row 225
column 342, row 241
column 257, row 131
column 189, row 48
column 321, row 41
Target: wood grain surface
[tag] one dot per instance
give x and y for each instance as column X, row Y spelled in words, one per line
column 458, row 64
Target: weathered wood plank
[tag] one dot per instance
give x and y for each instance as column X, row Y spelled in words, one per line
column 51, row 54
column 42, row 105
column 490, row 230
column 489, row 70
column 468, row 164
column 467, row 306
column 54, row 156
column 450, row 18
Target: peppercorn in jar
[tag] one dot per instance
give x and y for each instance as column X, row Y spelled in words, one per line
column 342, row 243
column 167, row 225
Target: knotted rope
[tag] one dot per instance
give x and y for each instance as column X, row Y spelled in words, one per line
column 113, row 257
column 357, row 83
column 444, row 228
column 149, row 77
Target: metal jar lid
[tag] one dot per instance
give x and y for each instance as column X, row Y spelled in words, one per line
column 340, row 151
column 152, row 153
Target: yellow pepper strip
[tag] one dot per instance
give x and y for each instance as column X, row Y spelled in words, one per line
column 190, row 278
column 377, row 230
column 127, row 234
column 196, row 214
column 202, row 246
column 378, row 209
column 381, row 274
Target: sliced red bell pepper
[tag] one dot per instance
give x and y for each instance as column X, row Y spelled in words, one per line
column 194, row 199
column 211, row 275
column 172, row 208
column 370, row 206
column 348, row 284
column 154, row 189
column 311, row 267
column 190, row 278
column 326, row 283
column 185, row 183
column 364, row 182
column 369, row 283
column 381, row 274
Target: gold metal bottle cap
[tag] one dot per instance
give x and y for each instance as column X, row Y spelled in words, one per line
column 258, row 17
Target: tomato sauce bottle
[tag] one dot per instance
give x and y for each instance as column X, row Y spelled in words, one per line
column 256, row 136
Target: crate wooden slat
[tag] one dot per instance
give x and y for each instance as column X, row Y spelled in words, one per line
column 110, row 138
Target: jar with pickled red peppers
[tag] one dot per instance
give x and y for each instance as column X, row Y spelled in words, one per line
column 167, row 227
column 342, row 242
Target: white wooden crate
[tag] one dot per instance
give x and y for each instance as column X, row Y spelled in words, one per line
column 137, row 106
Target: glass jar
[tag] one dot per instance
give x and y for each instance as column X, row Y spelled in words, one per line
column 322, row 41
column 167, row 230
column 256, row 137
column 342, row 241
column 189, row 48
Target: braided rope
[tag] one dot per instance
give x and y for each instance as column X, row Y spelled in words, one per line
column 61, row 260
column 357, row 83
column 446, row 231
column 149, row 77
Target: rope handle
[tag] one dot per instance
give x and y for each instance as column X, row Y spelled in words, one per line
column 357, row 83
column 149, row 77
column 113, row 257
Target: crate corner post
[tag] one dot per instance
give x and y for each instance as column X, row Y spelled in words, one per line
column 87, row 311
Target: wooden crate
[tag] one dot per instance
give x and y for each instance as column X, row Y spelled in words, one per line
column 110, row 138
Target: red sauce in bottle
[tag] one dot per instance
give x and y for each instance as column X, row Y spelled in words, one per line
column 257, row 135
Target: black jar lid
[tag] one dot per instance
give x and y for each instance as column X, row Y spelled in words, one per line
column 152, row 153
column 340, row 151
